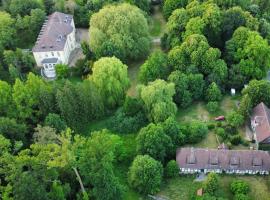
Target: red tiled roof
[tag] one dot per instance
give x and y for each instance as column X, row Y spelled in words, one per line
column 53, row 34
column 261, row 115
column 223, row 159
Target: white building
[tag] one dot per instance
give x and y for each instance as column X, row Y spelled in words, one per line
column 55, row 43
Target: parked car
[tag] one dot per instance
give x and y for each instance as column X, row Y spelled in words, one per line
column 220, row 118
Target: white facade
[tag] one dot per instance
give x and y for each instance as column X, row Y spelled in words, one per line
column 47, row 59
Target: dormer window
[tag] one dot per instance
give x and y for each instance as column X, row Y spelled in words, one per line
column 235, row 161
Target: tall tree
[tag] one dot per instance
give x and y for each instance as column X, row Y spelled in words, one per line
column 111, row 79
column 120, row 31
column 157, row 97
column 6, row 101
column 145, row 174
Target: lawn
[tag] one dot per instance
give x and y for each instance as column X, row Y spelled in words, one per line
column 157, row 23
column 182, row 187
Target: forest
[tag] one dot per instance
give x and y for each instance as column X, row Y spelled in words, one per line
column 109, row 127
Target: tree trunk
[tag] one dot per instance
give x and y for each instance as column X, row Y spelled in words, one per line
column 79, row 178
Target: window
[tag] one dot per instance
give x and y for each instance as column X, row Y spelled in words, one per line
column 52, row 53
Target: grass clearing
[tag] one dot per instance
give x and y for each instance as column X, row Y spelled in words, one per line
column 182, row 187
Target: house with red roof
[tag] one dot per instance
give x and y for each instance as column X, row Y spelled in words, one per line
column 260, row 124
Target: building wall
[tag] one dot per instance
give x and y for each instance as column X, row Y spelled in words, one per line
column 63, row 55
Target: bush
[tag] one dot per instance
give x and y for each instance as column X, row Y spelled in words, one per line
column 62, row 71
column 231, row 129
column 235, row 119
column 123, row 123
column 212, row 106
column 211, row 184
column 132, row 106
column 221, row 132
column 239, row 187
column 211, row 126
column 172, row 169
column 194, row 131
column 236, row 139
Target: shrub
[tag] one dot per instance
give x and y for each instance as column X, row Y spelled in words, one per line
column 221, row 132
column 212, row 106
column 241, row 197
column 172, row 169
column 194, row 131
column 239, row 187
column 123, row 123
column 236, row 139
column 231, row 129
column 235, row 119
column 211, row 126
column 211, row 184
column 62, row 71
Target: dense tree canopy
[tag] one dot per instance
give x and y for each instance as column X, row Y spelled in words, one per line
column 157, row 97
column 120, row 31
column 248, row 54
column 7, row 32
column 111, row 79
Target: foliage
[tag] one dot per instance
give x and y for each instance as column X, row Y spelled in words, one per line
column 187, row 87
column 235, row 119
column 195, row 55
column 23, row 7
column 62, row 71
column 155, row 67
column 54, row 120
column 153, row 141
column 221, row 132
column 213, row 93
column 45, row 135
column 13, row 130
column 171, row 5
column 172, row 169
column 144, row 5
column 22, row 61
column 212, row 106
column 157, row 99
column 95, row 162
column 7, row 31
column 241, row 197
column 239, row 187
column 236, row 139
column 6, row 98
column 120, row 31
column 211, row 184
column 248, row 54
column 145, row 174
column 194, row 131
column 123, row 123
column 111, row 79
column 78, row 114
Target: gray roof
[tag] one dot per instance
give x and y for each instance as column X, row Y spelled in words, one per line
column 49, row 61
column 224, row 159
column 53, row 34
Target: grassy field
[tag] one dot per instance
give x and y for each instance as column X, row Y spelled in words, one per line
column 182, row 187
column 157, row 23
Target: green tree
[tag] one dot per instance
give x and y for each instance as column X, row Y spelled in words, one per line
column 172, row 169
column 157, row 99
column 23, row 7
column 170, row 5
column 95, row 162
column 241, row 197
column 248, row 53
column 194, row 131
column 111, row 79
column 13, row 130
column 144, row 5
column 153, row 141
column 213, row 93
column 54, row 120
column 7, row 31
column 45, row 135
column 211, row 184
column 239, row 187
column 62, row 71
column 155, row 67
column 145, row 174
column 120, row 31
column 235, row 119
column 6, row 98
column 212, row 106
